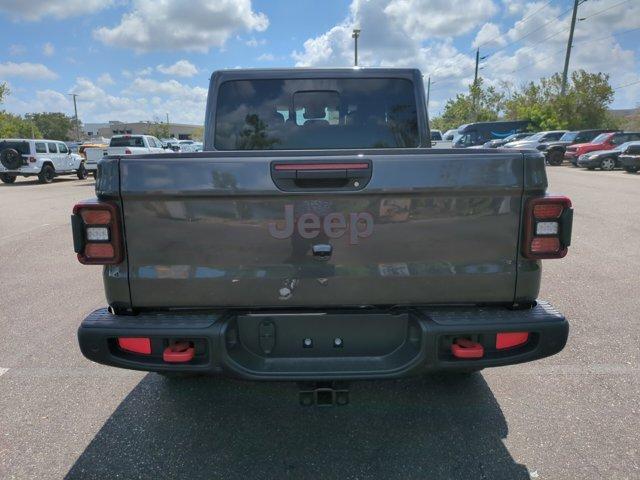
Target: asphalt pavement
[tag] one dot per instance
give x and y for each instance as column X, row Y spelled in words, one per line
column 574, row 415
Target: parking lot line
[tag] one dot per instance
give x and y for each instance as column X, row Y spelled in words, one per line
column 3, row 371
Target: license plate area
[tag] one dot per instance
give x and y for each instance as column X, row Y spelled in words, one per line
column 307, row 334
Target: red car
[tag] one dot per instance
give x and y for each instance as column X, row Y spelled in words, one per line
column 604, row 141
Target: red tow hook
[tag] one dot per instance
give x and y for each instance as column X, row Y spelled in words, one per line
column 178, row 352
column 464, row 348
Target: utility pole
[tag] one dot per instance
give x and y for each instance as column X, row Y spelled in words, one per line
column 355, row 35
column 167, row 118
column 75, row 109
column 565, row 72
column 475, row 76
column 428, row 91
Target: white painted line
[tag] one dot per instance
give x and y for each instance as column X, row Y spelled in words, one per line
column 3, row 371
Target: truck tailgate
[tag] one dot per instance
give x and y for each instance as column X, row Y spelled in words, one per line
column 213, row 230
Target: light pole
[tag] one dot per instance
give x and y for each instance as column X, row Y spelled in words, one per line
column 355, row 35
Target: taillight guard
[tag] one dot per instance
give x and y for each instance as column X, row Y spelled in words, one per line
column 97, row 237
column 547, row 231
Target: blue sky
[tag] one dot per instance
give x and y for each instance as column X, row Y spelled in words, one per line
column 140, row 59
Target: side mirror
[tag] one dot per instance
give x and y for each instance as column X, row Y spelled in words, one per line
column 433, row 143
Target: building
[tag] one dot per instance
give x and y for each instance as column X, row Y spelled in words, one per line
column 181, row 131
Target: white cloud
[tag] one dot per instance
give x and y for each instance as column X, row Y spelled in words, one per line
column 266, row 57
column 413, row 33
column 143, row 72
column 489, row 35
column 252, row 42
column 32, row 71
column 182, row 68
column 33, row 10
column 171, row 25
column 105, row 79
column 48, row 49
column 17, row 49
column 394, row 32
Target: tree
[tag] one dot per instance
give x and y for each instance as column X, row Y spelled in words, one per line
column 159, row 130
column 53, row 125
column 585, row 104
column 4, row 91
column 198, row 134
column 14, row 126
column 480, row 104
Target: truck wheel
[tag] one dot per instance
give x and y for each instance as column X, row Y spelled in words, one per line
column 82, row 172
column 7, row 177
column 631, row 169
column 555, row 158
column 10, row 159
column 47, row 174
column 607, row 164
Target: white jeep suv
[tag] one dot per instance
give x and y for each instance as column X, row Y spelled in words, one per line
column 42, row 158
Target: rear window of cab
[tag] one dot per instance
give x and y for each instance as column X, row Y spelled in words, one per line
column 322, row 113
column 126, row 142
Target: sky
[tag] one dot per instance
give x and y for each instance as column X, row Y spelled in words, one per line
column 143, row 59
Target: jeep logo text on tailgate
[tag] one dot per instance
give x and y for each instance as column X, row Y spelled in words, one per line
column 335, row 225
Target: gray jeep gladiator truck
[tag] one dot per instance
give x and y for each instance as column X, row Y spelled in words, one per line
column 318, row 237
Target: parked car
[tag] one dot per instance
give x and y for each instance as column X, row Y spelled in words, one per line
column 277, row 255
column 82, row 148
column 93, row 156
column 134, row 145
column 604, row 159
column 554, row 151
column 449, row 135
column 630, row 158
column 537, row 140
column 479, row 133
column 438, row 141
column 604, row 141
column 42, row 158
column 499, row 142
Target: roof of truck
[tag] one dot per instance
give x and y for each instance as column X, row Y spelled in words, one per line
column 316, row 72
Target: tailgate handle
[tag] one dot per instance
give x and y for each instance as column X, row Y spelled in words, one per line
column 322, row 251
column 314, row 175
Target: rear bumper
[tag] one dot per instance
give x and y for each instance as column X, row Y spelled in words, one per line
column 630, row 161
column 418, row 340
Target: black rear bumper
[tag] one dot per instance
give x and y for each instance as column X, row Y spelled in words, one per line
column 373, row 344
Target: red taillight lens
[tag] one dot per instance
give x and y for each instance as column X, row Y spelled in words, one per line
column 97, row 236
column 511, row 339
column 548, row 222
column 547, row 210
column 545, row 245
column 139, row 345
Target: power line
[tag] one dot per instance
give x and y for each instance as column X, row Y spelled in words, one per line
column 532, row 31
column 626, row 85
column 531, row 15
column 603, row 10
column 579, row 42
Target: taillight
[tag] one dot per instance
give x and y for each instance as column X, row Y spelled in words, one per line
column 548, row 222
column 33, row 159
column 97, row 237
column 127, row 151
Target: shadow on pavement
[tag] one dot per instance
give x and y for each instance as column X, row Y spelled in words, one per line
column 432, row 427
